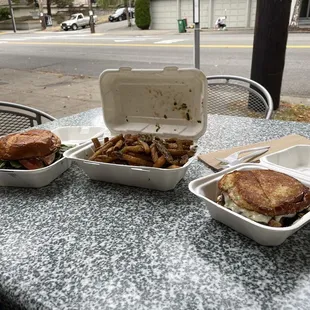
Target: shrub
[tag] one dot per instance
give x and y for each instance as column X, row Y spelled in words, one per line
column 142, row 14
column 4, row 13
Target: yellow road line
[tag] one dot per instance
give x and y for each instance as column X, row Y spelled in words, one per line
column 146, row 45
column 2, row 32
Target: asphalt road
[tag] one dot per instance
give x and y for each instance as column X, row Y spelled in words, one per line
column 114, row 46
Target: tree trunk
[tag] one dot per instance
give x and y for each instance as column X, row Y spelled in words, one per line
column 127, row 12
column 49, row 9
column 296, row 12
column 270, row 38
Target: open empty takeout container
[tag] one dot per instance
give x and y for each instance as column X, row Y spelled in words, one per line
column 294, row 161
column 167, row 102
column 73, row 135
column 70, row 136
column 206, row 188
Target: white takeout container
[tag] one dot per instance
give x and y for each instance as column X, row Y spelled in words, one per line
column 73, row 135
column 44, row 176
column 206, row 188
column 168, row 102
column 294, row 161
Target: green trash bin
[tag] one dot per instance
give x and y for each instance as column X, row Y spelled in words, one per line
column 181, row 24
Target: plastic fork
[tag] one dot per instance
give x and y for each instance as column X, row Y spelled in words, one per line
column 234, row 157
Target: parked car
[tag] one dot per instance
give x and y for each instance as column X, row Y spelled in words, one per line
column 120, row 14
column 76, row 21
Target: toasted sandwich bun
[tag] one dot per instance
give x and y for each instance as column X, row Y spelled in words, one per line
column 36, row 143
column 266, row 192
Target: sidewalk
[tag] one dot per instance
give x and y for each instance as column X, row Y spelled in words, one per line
column 55, row 94
column 61, row 95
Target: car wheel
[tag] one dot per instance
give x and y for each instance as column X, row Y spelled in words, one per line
column 74, row 27
column 120, row 18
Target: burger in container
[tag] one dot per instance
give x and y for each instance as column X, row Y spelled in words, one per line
column 34, row 158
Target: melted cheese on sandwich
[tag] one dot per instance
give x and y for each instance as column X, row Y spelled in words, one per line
column 255, row 216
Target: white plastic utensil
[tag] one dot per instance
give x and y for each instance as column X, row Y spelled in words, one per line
column 233, row 157
column 245, row 158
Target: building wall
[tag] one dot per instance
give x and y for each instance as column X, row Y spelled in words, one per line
column 164, row 14
column 240, row 13
column 234, row 9
column 187, row 11
column 253, row 13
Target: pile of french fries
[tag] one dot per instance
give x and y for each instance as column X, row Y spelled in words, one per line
column 143, row 150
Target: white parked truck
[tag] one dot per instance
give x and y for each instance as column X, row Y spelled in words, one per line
column 76, row 21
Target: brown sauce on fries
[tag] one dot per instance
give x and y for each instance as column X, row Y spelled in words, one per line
column 143, row 150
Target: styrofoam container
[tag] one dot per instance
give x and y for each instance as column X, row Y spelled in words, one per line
column 33, row 178
column 168, row 102
column 44, row 176
column 294, row 161
column 206, row 188
column 146, row 177
column 73, row 135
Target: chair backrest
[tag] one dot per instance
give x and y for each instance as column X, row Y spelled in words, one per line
column 238, row 96
column 15, row 117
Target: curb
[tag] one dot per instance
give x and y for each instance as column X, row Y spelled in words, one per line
column 58, row 29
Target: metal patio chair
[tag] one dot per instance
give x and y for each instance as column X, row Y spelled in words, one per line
column 238, row 96
column 15, row 117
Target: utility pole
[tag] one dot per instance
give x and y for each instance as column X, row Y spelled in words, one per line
column 12, row 16
column 128, row 14
column 91, row 17
column 42, row 18
column 270, row 38
column 196, row 15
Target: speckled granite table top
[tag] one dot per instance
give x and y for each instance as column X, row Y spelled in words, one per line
column 82, row 244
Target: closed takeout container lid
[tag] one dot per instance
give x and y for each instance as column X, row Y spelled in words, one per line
column 166, row 102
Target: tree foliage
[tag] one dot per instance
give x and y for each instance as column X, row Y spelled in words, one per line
column 59, row 3
column 4, row 13
column 106, row 3
column 63, row 3
column 142, row 14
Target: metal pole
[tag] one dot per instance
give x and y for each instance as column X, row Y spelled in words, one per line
column 179, row 9
column 42, row 18
column 12, row 16
column 197, row 45
column 196, row 4
column 91, row 17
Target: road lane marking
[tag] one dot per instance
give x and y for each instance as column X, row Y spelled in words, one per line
column 119, row 41
column 147, row 45
column 85, row 38
column 169, row 41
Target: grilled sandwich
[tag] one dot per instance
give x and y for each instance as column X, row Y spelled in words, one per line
column 264, row 196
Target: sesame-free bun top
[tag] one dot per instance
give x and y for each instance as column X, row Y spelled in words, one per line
column 34, row 143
